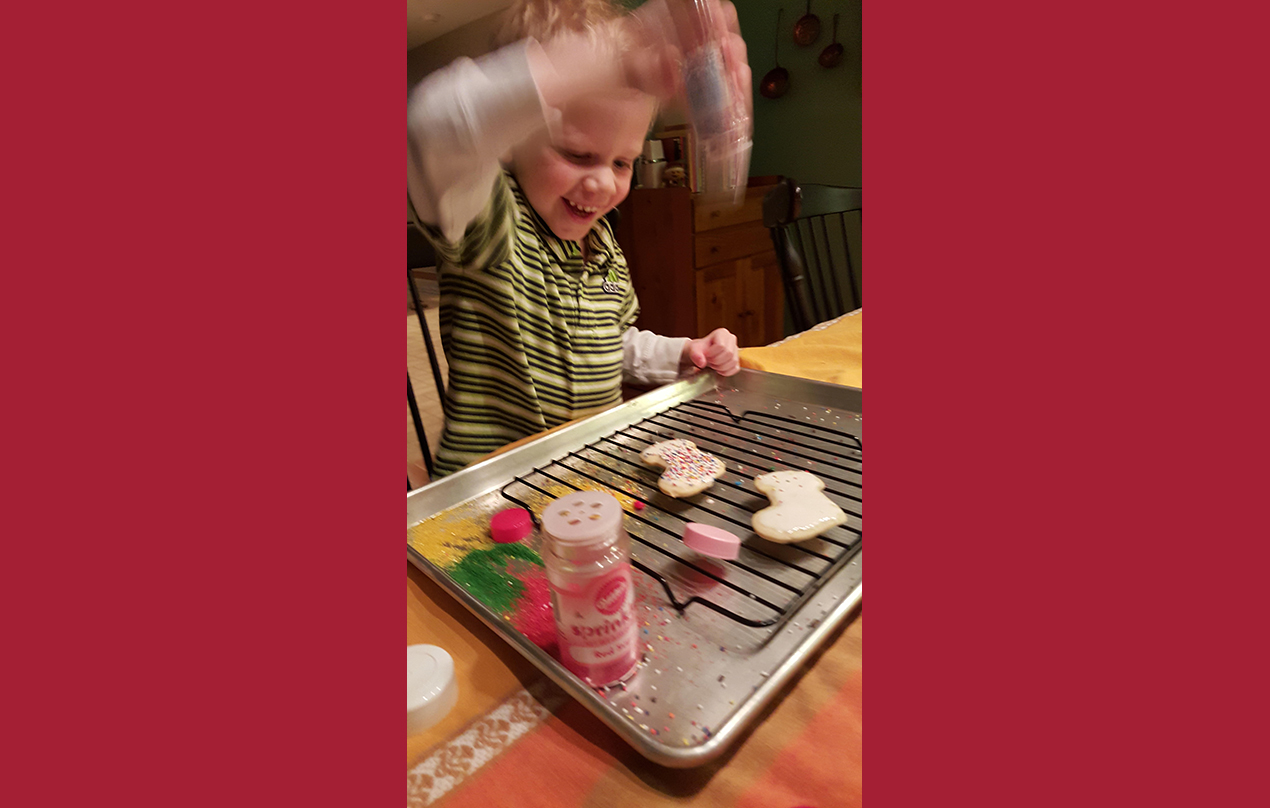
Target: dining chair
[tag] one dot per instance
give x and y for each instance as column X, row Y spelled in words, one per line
column 815, row 229
column 412, row 402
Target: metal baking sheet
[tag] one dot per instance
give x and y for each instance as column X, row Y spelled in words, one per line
column 719, row 639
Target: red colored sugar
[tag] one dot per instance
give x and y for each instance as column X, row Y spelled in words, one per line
column 533, row 616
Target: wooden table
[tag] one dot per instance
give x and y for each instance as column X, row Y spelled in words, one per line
column 515, row 738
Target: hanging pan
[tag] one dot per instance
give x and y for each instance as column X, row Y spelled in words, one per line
column 807, row 29
column 832, row 54
column 776, row 82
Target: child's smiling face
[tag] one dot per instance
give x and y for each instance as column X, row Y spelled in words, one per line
column 576, row 180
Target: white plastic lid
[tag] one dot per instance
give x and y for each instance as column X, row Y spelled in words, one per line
column 582, row 517
column 430, row 687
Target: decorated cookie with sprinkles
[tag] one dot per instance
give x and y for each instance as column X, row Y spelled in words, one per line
column 799, row 510
column 688, row 469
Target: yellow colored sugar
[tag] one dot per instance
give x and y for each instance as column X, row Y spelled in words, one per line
column 445, row 538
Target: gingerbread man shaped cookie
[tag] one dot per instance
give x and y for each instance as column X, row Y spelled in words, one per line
column 688, row 469
column 799, row 509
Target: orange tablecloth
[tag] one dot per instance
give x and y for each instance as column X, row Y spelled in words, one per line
column 515, row 738
column 829, row 352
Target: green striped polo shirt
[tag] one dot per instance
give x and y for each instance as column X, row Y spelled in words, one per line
column 531, row 331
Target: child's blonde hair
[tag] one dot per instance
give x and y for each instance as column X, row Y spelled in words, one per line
column 600, row 21
column 546, row 19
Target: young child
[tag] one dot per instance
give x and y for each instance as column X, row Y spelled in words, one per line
column 512, row 162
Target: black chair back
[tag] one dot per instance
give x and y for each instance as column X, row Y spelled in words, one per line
column 815, row 229
column 411, row 402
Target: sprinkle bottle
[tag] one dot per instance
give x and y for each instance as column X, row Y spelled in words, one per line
column 721, row 124
column 587, row 555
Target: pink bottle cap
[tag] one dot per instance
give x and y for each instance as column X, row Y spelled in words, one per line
column 510, row 525
column 712, row 541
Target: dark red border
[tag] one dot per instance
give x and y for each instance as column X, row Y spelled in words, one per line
column 205, row 551
column 214, row 341
column 1060, row 202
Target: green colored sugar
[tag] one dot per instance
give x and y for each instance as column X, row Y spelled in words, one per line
column 485, row 574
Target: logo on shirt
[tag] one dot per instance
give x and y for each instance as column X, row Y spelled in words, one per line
column 612, row 284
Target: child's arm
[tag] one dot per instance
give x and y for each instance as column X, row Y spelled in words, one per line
column 462, row 119
column 459, row 122
column 650, row 359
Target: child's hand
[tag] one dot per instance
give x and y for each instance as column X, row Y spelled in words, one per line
column 652, row 64
column 647, row 56
column 717, row 351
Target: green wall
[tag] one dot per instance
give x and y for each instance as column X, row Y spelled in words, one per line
column 812, row 133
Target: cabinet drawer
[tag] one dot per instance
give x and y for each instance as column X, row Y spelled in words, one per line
column 727, row 243
column 716, row 215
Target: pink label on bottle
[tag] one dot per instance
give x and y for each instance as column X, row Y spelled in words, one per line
column 596, row 627
column 612, row 595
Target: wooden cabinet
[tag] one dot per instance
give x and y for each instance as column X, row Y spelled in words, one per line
column 744, row 296
column 698, row 267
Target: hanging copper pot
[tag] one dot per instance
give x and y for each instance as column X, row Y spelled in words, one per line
column 807, row 29
column 831, row 55
column 776, row 82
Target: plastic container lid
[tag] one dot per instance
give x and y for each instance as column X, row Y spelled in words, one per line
column 430, row 687
column 511, row 525
column 712, row 541
column 582, row 517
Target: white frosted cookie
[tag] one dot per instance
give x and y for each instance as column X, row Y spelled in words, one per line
column 688, row 469
column 799, row 510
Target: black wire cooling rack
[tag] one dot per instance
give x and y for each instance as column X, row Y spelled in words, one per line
column 768, row 581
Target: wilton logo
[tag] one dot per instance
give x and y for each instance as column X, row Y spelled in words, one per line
column 612, row 596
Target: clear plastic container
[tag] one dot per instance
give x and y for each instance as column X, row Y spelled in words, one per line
column 587, row 556
column 717, row 113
